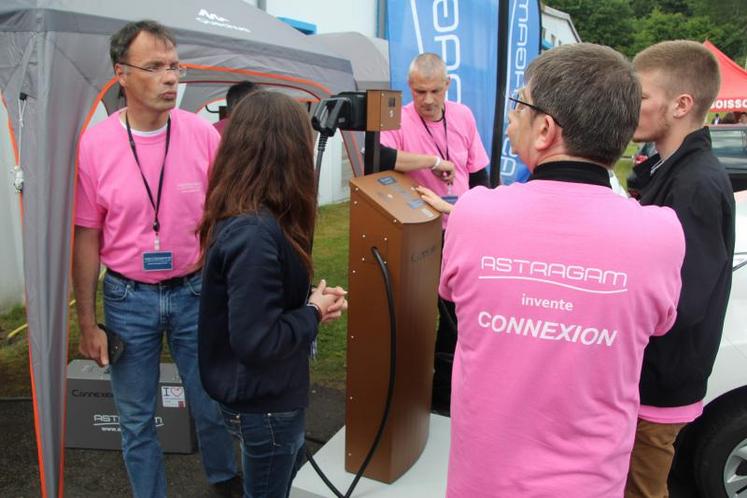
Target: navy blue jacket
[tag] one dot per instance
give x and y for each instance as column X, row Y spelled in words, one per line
column 255, row 330
column 691, row 181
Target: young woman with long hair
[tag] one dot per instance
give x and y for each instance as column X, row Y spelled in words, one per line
column 257, row 317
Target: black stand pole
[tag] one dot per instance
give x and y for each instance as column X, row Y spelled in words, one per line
column 500, row 98
column 373, row 153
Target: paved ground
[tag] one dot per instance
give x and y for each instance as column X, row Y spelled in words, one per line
column 91, row 473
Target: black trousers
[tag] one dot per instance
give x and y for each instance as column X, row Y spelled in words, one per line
column 446, row 338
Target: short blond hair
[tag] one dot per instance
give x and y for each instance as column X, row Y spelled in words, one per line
column 688, row 67
column 428, row 65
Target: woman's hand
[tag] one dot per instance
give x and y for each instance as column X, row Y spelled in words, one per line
column 330, row 300
column 434, row 200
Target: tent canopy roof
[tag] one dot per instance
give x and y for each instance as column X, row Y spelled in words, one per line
column 733, row 93
column 222, row 33
column 231, row 21
column 369, row 57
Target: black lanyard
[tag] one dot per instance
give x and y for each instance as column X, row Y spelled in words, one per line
column 446, row 135
column 157, row 204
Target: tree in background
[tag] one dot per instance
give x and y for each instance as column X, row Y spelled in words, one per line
column 632, row 25
column 730, row 16
column 607, row 22
column 658, row 26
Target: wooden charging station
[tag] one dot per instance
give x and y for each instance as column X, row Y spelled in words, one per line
column 387, row 213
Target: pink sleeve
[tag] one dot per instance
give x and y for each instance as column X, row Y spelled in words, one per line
column 87, row 212
column 669, row 318
column 448, row 266
column 477, row 158
column 392, row 138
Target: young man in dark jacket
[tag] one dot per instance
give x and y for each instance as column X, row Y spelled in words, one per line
column 680, row 80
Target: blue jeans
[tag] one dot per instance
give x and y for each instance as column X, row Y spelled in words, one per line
column 271, row 449
column 140, row 314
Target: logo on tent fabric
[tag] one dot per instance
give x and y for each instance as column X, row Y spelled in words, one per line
column 523, row 47
column 464, row 34
column 213, row 19
column 729, row 103
column 442, row 37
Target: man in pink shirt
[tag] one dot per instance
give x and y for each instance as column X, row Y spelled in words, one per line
column 447, row 130
column 555, row 312
column 142, row 177
column 234, row 94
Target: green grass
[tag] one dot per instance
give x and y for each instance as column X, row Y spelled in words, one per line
column 14, row 354
column 331, row 264
column 14, row 358
column 622, row 170
column 625, row 164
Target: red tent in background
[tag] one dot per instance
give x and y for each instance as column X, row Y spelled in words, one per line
column 733, row 93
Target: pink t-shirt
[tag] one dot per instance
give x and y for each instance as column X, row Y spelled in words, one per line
column 465, row 147
column 671, row 415
column 554, row 313
column 111, row 195
column 220, row 125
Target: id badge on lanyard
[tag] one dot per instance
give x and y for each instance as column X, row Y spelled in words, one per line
column 158, row 261
column 449, row 197
column 155, row 260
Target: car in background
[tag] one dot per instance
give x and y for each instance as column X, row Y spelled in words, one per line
column 729, row 143
column 713, row 449
column 645, row 151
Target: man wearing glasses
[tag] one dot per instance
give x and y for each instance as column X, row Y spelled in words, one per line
column 555, row 312
column 142, row 176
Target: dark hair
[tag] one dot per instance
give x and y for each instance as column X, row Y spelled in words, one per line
column 238, row 91
column 120, row 41
column 594, row 92
column 265, row 161
column 729, row 118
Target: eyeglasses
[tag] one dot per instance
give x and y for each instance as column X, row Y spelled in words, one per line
column 516, row 98
column 159, row 69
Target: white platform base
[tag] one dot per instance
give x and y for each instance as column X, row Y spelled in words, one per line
column 426, row 479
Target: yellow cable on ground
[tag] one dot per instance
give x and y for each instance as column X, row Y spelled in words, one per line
column 16, row 331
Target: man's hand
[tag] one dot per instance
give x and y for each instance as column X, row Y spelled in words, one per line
column 94, row 345
column 444, row 171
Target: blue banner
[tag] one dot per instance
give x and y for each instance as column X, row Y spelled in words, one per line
column 524, row 42
column 465, row 35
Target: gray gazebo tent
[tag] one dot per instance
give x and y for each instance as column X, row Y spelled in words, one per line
column 369, row 57
column 55, row 53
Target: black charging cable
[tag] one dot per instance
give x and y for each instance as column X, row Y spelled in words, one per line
column 390, row 389
column 325, row 121
column 320, row 153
